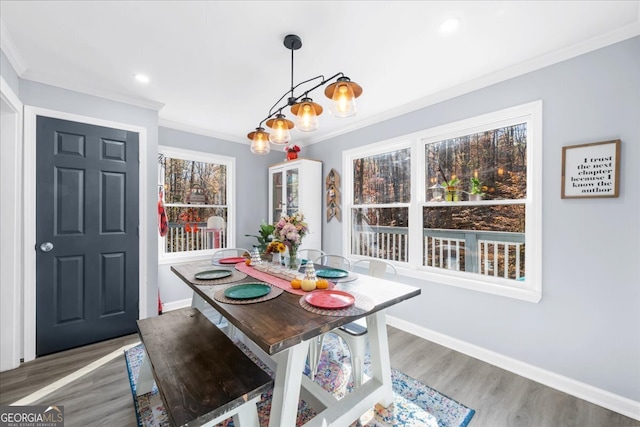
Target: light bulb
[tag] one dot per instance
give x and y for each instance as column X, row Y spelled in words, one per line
column 259, row 141
column 307, row 120
column 344, row 104
column 280, row 130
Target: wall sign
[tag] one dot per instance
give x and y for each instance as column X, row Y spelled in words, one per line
column 591, row 170
column 332, row 184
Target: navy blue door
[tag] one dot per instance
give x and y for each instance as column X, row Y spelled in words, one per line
column 87, row 234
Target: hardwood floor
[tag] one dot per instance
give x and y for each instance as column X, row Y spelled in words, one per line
column 500, row 398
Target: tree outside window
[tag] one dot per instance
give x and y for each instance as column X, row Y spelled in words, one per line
column 195, row 198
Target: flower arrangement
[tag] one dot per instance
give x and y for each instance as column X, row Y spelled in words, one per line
column 290, row 230
column 275, row 247
column 292, row 152
column 292, row 149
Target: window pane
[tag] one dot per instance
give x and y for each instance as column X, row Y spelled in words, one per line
column 487, row 240
column 497, row 158
column 382, row 178
column 194, row 228
column 193, row 182
column 380, row 233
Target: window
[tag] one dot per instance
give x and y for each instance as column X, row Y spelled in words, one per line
column 381, row 200
column 465, row 213
column 198, row 202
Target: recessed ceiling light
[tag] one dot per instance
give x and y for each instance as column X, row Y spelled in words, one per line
column 449, row 25
column 142, row 78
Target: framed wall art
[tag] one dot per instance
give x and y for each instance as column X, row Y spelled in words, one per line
column 591, row 170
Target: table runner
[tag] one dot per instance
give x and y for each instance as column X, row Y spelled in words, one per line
column 273, row 280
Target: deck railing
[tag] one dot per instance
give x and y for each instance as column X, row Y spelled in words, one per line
column 491, row 253
column 180, row 240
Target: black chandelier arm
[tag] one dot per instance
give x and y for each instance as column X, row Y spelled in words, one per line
column 292, row 100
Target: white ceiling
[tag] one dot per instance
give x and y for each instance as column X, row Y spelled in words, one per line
column 217, row 67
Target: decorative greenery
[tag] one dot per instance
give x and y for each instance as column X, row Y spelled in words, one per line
column 476, row 187
column 451, row 183
column 265, row 237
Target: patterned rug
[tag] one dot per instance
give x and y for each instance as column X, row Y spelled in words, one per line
column 415, row 403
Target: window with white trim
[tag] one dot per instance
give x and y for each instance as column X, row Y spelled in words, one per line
column 196, row 190
column 458, row 204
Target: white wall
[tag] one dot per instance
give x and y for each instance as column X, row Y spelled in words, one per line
column 587, row 326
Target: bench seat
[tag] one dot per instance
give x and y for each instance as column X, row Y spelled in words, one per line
column 202, row 376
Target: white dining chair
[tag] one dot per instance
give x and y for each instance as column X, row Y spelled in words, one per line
column 354, row 334
column 228, row 252
column 334, row 261
column 311, row 254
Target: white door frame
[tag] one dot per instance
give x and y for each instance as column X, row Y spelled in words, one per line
column 29, row 192
column 10, row 233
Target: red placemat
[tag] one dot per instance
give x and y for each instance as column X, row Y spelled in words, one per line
column 272, row 280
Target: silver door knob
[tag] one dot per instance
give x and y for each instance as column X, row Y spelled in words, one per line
column 46, row 246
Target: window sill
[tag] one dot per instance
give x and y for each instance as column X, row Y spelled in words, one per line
column 526, row 292
column 178, row 258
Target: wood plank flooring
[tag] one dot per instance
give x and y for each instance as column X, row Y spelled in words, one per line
column 500, row 398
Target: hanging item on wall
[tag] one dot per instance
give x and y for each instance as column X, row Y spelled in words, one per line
column 333, row 195
column 591, row 170
column 162, row 216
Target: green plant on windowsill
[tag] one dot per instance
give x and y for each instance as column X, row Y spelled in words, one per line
column 265, row 237
column 476, row 190
column 452, row 193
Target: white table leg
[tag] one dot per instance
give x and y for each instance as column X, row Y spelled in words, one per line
column 145, row 376
column 197, row 301
column 286, row 387
column 379, row 350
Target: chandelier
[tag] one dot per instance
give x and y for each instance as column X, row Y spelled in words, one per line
column 342, row 92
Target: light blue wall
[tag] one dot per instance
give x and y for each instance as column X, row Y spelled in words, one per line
column 587, row 326
column 54, row 98
column 252, row 193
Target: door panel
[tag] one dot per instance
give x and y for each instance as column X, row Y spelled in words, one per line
column 87, row 208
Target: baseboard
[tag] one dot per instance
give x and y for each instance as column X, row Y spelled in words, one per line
column 175, row 305
column 613, row 402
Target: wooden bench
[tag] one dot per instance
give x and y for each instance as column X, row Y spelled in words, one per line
column 201, row 375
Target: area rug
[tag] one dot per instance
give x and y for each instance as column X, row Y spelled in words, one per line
column 415, row 403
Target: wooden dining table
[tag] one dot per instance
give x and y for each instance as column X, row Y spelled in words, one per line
column 283, row 329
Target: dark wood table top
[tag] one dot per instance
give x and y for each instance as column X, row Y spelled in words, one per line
column 280, row 323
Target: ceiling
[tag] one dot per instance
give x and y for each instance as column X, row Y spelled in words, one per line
column 217, row 67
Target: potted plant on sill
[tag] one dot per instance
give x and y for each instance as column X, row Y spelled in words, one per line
column 476, row 193
column 452, row 193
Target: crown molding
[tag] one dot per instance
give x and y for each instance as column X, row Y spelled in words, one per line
column 100, row 93
column 9, row 49
column 201, row 131
column 618, row 35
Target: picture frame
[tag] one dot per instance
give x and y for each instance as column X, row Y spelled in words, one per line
column 591, row 170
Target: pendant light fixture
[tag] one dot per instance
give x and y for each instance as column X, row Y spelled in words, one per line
column 342, row 93
column 280, row 126
column 259, row 141
column 306, row 112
